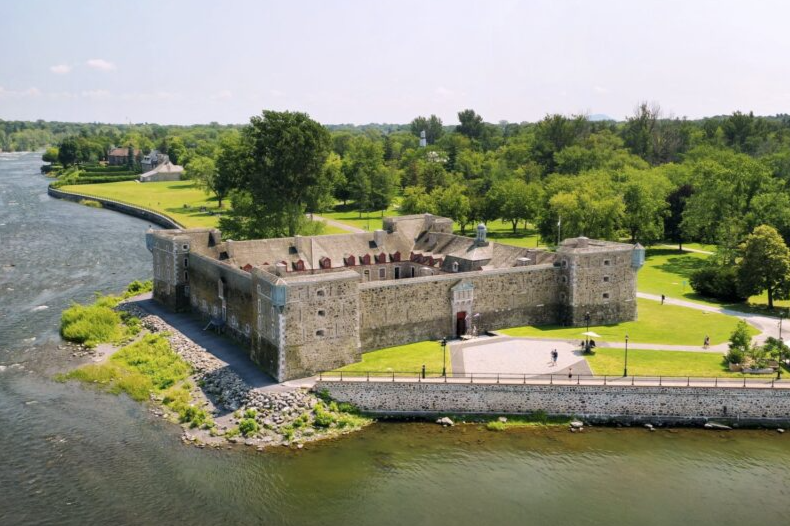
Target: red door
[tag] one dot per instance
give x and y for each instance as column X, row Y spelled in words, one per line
column 460, row 324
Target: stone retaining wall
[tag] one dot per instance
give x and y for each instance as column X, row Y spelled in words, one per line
column 595, row 403
column 125, row 208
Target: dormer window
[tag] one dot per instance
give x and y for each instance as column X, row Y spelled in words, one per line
column 395, row 257
column 325, row 263
column 365, row 260
column 298, row 265
column 381, row 258
column 350, row 261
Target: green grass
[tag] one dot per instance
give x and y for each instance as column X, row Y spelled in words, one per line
column 641, row 362
column 169, row 197
column 502, row 232
column 144, row 367
column 662, row 324
column 365, row 220
column 402, row 359
column 666, row 269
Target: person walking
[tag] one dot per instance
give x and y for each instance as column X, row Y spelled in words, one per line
column 662, row 299
column 570, row 373
column 554, row 356
column 706, row 342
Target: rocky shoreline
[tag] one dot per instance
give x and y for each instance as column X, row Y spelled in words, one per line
column 284, row 416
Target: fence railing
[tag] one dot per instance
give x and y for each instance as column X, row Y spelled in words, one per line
column 764, row 382
column 54, row 191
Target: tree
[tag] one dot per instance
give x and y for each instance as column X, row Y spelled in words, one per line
column 362, row 164
column 50, row 155
column 556, row 132
column 516, row 200
column 288, row 152
column 452, row 202
column 68, row 152
column 645, row 197
column 765, row 265
column 383, row 184
column 203, row 170
column 471, row 124
column 231, row 166
column 432, row 127
column 677, row 204
column 417, row 201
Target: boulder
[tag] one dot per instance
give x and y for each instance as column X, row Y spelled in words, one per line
column 576, row 424
column 719, row 427
column 445, row 421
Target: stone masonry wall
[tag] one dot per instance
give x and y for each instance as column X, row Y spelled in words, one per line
column 406, row 311
column 671, row 404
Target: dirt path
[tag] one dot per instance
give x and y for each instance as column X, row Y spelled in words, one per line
column 338, row 224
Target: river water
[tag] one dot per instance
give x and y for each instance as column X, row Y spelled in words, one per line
column 71, row 456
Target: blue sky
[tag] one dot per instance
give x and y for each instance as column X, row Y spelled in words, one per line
column 180, row 62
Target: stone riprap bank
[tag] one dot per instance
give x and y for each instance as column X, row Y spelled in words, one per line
column 599, row 403
column 310, row 304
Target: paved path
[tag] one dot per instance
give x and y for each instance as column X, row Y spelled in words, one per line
column 698, row 251
column 338, row 224
column 516, row 356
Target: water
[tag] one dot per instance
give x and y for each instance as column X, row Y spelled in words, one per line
column 71, row 456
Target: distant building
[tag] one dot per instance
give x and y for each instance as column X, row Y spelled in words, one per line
column 120, row 156
column 423, row 139
column 166, row 171
column 154, row 159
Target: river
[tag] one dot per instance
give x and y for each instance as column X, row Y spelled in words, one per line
column 72, row 456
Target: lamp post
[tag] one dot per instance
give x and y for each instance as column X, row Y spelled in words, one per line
column 587, row 336
column 444, row 356
column 625, row 369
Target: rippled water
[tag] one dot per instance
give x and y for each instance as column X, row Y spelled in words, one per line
column 69, row 455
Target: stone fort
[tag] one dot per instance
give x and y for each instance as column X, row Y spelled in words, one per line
column 309, row 304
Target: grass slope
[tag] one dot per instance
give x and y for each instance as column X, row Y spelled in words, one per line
column 662, row 324
column 402, row 359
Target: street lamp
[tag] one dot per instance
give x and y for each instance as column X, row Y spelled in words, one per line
column 444, row 356
column 625, row 369
column 587, row 336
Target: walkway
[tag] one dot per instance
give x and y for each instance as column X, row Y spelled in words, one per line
column 519, row 356
column 696, row 250
column 338, row 224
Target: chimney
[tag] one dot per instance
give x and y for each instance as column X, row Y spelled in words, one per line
column 582, row 242
column 522, row 262
column 482, row 231
column 280, row 268
column 378, row 237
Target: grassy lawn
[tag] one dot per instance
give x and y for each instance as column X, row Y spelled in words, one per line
column 364, row 220
column 181, row 200
column 666, row 270
column 660, row 363
column 667, row 324
column 403, row 359
column 502, row 232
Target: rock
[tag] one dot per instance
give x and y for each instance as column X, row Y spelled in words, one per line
column 445, row 421
column 648, row 426
column 576, row 424
column 780, row 430
column 502, row 419
column 719, row 427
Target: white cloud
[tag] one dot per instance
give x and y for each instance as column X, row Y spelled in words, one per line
column 601, row 90
column 96, row 94
column 100, row 64
column 60, row 69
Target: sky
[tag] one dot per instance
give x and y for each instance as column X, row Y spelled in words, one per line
column 347, row 61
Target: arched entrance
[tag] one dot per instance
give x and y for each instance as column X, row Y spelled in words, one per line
column 460, row 324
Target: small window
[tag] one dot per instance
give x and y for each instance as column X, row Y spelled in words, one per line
column 606, row 295
column 562, row 296
column 606, row 279
column 186, row 262
column 367, row 275
column 322, row 313
column 397, row 272
column 186, row 290
column 320, row 293
column 185, row 247
column 564, row 263
column 606, row 262
column 186, row 276
column 565, row 279
column 382, row 273
column 320, row 332
column 455, row 266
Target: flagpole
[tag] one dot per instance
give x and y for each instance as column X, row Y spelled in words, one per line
column 559, row 228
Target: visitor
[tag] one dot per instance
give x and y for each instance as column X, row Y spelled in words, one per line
column 570, row 373
column 706, row 342
column 662, row 299
column 592, row 344
column 554, row 356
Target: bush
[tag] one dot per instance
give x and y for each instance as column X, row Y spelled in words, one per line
column 735, row 356
column 248, row 427
column 91, row 325
column 740, row 343
column 495, row 425
column 717, row 281
column 322, row 417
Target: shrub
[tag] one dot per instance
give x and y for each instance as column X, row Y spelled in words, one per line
column 153, row 357
column 91, row 324
column 250, row 413
column 91, row 203
column 248, row 427
column 495, row 425
column 735, row 356
column 717, row 281
column 322, row 417
column 137, row 287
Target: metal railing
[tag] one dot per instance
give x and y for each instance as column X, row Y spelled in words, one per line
column 755, row 382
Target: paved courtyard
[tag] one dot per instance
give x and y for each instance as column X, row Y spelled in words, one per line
column 504, row 354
